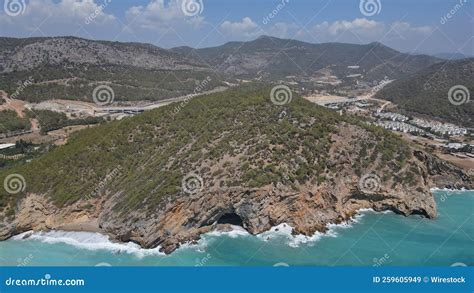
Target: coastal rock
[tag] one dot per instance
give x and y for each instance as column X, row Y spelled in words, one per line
column 187, row 176
column 443, row 174
column 307, row 211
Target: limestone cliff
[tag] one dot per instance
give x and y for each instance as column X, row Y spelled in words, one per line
column 231, row 157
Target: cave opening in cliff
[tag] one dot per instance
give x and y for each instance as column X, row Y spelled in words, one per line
column 231, row 218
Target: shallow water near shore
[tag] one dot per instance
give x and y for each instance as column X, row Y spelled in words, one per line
column 371, row 239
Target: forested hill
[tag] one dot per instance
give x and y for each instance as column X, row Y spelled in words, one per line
column 438, row 91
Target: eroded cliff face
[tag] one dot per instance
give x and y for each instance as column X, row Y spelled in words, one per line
column 186, row 217
column 288, row 168
column 442, row 174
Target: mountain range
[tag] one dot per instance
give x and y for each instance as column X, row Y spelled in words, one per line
column 274, row 58
column 70, row 68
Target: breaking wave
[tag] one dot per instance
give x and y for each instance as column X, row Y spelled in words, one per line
column 89, row 241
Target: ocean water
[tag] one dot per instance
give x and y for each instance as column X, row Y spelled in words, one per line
column 370, row 239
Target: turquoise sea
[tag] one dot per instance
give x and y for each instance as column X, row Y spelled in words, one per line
column 371, row 239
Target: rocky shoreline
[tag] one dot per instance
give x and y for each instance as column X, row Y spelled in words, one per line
column 257, row 210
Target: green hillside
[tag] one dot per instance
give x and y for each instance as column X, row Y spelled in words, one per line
column 237, row 138
column 427, row 92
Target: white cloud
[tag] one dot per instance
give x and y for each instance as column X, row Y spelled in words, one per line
column 359, row 26
column 247, row 28
column 160, row 16
column 341, row 30
column 58, row 18
column 405, row 29
column 362, row 30
column 359, row 30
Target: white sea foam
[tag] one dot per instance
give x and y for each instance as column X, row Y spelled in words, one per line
column 285, row 230
column 89, row 241
column 236, row 231
column 97, row 241
column 450, row 189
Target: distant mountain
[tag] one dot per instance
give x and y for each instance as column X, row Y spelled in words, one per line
column 70, row 68
column 274, row 58
column 427, row 92
column 451, row 56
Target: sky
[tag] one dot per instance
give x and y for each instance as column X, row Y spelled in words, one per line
column 414, row 26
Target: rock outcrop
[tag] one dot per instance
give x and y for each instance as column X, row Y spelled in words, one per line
column 259, row 209
column 443, row 174
column 247, row 163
